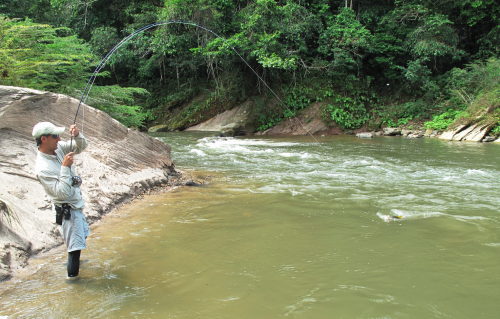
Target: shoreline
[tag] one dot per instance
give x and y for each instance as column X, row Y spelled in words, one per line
column 119, row 164
column 180, row 181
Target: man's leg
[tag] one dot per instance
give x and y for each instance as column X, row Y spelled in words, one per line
column 74, row 263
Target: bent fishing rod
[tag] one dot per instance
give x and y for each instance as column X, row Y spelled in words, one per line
column 90, row 82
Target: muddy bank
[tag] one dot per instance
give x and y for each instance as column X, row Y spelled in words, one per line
column 118, row 164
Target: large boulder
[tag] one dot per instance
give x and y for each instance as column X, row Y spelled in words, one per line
column 235, row 121
column 392, row 131
column 118, row 164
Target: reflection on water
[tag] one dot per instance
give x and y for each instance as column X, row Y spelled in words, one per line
column 348, row 228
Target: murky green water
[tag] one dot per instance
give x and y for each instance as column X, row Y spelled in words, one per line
column 289, row 228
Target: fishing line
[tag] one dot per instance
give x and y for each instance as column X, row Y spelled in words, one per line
column 90, row 82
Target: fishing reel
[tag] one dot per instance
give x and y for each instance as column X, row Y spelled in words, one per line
column 76, row 181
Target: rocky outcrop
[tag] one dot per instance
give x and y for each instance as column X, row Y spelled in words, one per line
column 232, row 122
column 474, row 127
column 474, row 132
column 306, row 122
column 118, row 164
column 392, row 131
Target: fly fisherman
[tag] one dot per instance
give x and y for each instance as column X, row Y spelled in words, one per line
column 55, row 171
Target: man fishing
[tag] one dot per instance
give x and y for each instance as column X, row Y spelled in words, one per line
column 55, row 171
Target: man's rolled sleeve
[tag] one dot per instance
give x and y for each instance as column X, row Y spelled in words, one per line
column 78, row 145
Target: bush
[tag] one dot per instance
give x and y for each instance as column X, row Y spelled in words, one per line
column 442, row 121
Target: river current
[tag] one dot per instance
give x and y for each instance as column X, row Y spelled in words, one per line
column 290, row 228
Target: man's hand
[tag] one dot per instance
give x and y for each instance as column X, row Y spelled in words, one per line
column 68, row 159
column 73, row 130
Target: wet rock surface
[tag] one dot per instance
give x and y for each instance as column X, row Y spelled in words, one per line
column 364, row 135
column 118, row 165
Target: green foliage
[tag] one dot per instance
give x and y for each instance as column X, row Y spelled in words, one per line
column 40, row 56
column 442, row 121
column 404, row 121
column 120, row 104
column 496, row 130
column 347, row 112
column 424, row 49
column 344, row 41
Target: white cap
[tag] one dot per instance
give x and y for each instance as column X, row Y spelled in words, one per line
column 46, row 128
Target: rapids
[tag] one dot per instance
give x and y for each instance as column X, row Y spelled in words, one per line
column 285, row 227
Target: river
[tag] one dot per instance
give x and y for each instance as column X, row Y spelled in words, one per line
column 290, row 228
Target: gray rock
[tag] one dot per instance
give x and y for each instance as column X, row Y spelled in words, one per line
column 488, row 139
column 392, row 131
column 416, row 135
column 406, row 132
column 364, row 135
column 118, row 164
column 378, row 133
column 227, row 133
column 158, row 128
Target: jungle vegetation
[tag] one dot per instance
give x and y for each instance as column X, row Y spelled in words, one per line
column 372, row 62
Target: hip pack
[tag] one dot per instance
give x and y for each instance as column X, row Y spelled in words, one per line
column 63, row 210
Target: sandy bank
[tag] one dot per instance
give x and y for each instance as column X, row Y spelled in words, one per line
column 118, row 164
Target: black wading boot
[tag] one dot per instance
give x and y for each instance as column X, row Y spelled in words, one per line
column 74, row 263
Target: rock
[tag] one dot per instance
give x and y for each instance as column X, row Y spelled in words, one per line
column 118, row 164
column 235, row 119
column 416, row 135
column 158, row 128
column 488, row 139
column 406, row 132
column 478, row 133
column 460, row 135
column 448, row 134
column 428, row 132
column 364, row 135
column 349, row 132
column 227, row 133
column 378, row 133
column 392, row 131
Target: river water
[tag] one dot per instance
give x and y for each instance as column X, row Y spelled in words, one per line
column 290, row 228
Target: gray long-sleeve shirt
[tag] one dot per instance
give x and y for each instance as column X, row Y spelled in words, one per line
column 55, row 178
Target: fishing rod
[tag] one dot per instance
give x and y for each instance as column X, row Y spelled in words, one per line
column 91, row 80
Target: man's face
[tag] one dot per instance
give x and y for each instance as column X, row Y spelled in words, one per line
column 50, row 142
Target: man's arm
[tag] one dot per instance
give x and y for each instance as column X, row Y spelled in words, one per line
column 79, row 143
column 57, row 187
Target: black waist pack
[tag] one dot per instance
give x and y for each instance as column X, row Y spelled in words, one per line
column 63, row 210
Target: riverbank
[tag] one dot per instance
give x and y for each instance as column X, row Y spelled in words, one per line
column 118, row 165
column 239, row 122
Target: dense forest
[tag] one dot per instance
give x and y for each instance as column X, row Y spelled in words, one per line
column 371, row 63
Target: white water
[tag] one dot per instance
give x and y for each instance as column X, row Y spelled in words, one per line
column 350, row 228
